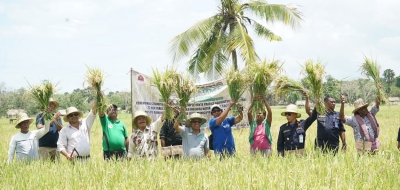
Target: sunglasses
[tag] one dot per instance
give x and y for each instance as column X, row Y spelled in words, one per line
column 195, row 121
column 73, row 114
column 288, row 113
column 214, row 111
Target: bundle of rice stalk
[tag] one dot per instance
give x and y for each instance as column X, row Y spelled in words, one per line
column 95, row 79
column 371, row 68
column 165, row 83
column 237, row 82
column 284, row 85
column 184, row 88
column 42, row 94
column 314, row 73
column 262, row 76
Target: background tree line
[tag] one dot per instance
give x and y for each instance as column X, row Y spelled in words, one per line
column 79, row 98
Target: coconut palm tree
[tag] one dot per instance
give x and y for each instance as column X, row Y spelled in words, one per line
column 225, row 34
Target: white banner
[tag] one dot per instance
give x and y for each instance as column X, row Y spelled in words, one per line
column 146, row 97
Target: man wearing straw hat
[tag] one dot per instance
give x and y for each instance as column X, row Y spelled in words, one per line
column 115, row 135
column 143, row 140
column 25, row 143
column 48, row 143
column 221, row 128
column 364, row 124
column 292, row 135
column 329, row 126
column 194, row 141
column 74, row 140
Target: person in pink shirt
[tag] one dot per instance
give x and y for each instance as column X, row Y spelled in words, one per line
column 260, row 135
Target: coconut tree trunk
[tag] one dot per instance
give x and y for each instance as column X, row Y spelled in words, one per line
column 234, row 60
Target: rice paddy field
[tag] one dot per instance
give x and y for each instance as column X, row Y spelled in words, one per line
column 346, row 170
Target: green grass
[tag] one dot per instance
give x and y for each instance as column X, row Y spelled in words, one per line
column 347, row 170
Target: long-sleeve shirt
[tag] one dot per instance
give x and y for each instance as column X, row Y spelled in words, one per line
column 144, row 143
column 26, row 145
column 351, row 121
column 293, row 136
column 79, row 139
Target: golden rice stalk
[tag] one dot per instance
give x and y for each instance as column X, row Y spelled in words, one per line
column 238, row 82
column 262, row 74
column 165, row 83
column 314, row 73
column 184, row 89
column 42, row 94
column 371, row 68
column 284, row 85
column 95, row 79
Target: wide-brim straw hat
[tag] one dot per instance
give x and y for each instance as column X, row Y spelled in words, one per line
column 195, row 116
column 56, row 104
column 292, row 109
column 22, row 117
column 137, row 114
column 71, row 110
column 358, row 104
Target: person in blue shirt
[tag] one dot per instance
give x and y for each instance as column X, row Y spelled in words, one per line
column 221, row 129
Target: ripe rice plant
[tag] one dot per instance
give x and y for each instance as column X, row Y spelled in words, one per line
column 165, row 83
column 184, row 88
column 371, row 68
column 42, row 94
column 237, row 82
column 95, row 79
column 313, row 76
column 284, row 85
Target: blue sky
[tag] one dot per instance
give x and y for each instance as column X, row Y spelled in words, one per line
column 54, row 40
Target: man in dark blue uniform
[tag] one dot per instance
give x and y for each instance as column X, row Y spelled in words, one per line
column 292, row 135
column 329, row 127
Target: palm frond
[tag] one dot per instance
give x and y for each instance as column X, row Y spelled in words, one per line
column 264, row 32
column 181, row 44
column 239, row 39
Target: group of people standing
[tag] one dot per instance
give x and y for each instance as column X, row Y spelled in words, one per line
column 187, row 139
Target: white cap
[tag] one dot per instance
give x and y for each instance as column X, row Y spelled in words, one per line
column 215, row 106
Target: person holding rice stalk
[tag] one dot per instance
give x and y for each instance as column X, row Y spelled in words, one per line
column 194, row 141
column 329, row 126
column 74, row 140
column 221, row 128
column 260, row 135
column 292, row 135
column 25, row 143
column 115, row 135
column 48, row 143
column 143, row 140
column 364, row 124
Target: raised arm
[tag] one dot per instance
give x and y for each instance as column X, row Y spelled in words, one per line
column 269, row 112
column 224, row 114
column 41, row 132
column 249, row 112
column 307, row 105
column 176, row 126
column 341, row 113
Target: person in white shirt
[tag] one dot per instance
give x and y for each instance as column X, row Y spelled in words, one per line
column 25, row 143
column 74, row 139
column 143, row 140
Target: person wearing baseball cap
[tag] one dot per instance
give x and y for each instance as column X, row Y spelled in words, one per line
column 221, row 129
column 25, row 143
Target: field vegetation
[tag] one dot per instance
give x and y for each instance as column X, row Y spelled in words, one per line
column 346, row 170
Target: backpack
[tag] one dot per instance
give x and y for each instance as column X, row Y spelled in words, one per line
column 210, row 142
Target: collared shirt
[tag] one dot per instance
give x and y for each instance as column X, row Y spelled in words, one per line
column 223, row 139
column 144, row 143
column 116, row 133
column 25, row 146
column 194, row 145
column 72, row 138
column 49, row 139
column 292, row 137
column 352, row 122
column 170, row 135
column 329, row 127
